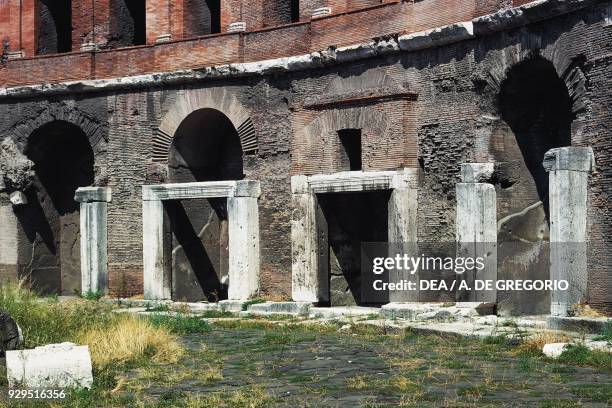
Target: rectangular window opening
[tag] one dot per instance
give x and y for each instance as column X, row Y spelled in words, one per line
column 350, row 140
column 295, row 11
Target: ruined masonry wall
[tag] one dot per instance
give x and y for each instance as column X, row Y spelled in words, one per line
column 454, row 118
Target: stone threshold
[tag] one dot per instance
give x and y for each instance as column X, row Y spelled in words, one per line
column 462, row 319
column 506, row 19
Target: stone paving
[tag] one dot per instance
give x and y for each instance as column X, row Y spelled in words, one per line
column 283, row 366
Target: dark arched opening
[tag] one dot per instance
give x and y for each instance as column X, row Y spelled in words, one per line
column 63, row 162
column 537, row 113
column 53, row 26
column 127, row 23
column 202, row 17
column 536, row 105
column 206, row 147
column 277, row 12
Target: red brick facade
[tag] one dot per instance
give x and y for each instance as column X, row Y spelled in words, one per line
column 344, row 27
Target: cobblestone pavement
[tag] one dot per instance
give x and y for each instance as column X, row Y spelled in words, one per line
column 263, row 366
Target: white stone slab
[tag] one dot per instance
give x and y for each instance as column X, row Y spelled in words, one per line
column 64, row 365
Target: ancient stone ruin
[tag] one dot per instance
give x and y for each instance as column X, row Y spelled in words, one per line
column 226, row 150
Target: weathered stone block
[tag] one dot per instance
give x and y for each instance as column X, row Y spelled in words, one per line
column 18, row 198
column 570, row 158
column 64, row 365
column 477, row 172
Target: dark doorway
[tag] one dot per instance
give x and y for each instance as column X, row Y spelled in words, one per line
column 206, row 147
column 128, row 23
column 53, row 26
column 346, row 220
column 202, row 17
column 64, row 161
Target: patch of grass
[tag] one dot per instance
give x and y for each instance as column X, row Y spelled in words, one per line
column 92, row 295
column 525, row 364
column 606, row 333
column 455, row 364
column 128, row 339
column 473, row 391
column 250, row 302
column 51, row 321
column 559, row 404
column 578, row 354
column 248, row 397
column 180, row 324
column 215, row 314
column 158, row 307
column 595, row 392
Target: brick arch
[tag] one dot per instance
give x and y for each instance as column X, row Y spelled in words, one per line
column 95, row 131
column 317, row 138
column 209, row 98
column 569, row 68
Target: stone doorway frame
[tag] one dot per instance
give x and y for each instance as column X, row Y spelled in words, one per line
column 309, row 283
column 243, row 219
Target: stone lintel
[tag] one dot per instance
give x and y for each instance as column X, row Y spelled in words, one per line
column 570, row 158
column 477, row 172
column 93, row 194
column 353, row 181
column 208, row 189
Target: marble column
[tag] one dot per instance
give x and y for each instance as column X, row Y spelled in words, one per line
column 476, row 229
column 568, row 169
column 8, row 242
column 243, row 219
column 94, row 258
column 402, row 231
column 156, row 259
column 307, row 285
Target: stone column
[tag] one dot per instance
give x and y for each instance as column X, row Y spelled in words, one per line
column 8, row 242
column 307, row 285
column 568, row 168
column 243, row 219
column 476, row 228
column 94, row 258
column 156, row 278
column 402, row 235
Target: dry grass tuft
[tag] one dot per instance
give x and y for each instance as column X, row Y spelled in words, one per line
column 584, row 310
column 537, row 341
column 128, row 339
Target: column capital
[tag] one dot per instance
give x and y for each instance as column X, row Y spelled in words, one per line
column 248, row 188
column 93, row 194
column 299, row 184
column 569, row 158
column 477, row 172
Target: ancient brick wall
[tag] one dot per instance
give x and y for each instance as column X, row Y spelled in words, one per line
column 432, row 109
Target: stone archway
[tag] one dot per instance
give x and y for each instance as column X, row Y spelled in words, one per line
column 56, row 150
column 201, row 141
column 537, row 111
